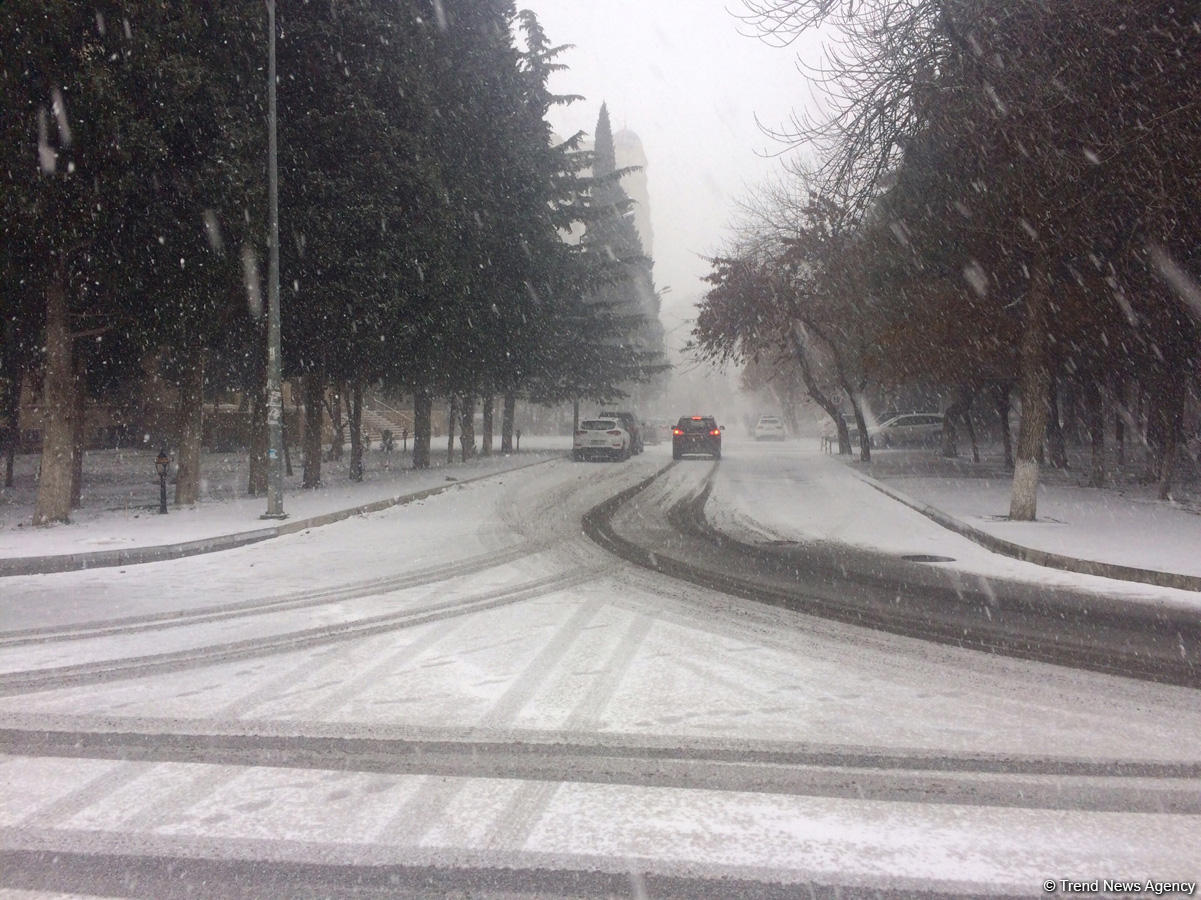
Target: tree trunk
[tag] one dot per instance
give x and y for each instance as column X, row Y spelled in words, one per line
column 297, row 390
column 1067, row 411
column 1001, row 401
column 451, row 412
column 256, row 485
column 1035, row 383
column 820, row 398
column 190, row 428
column 467, row 427
column 575, row 416
column 489, row 402
column 1155, row 427
column 422, row 426
column 79, row 443
column 356, row 430
column 960, row 409
column 950, row 432
column 338, row 442
column 971, row 431
column 314, row 389
column 865, row 440
column 283, row 439
column 507, row 416
column 1119, row 423
column 1056, row 445
column 1171, row 408
column 1096, row 432
column 58, row 407
column 12, row 419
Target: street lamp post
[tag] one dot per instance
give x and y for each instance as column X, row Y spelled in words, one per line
column 162, row 464
column 275, row 404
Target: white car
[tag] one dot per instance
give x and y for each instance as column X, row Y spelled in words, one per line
column 603, row 438
column 909, row 429
column 769, row 428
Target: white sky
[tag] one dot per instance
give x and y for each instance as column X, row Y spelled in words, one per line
column 678, row 74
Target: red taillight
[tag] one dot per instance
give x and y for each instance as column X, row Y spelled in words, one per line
column 716, row 432
column 696, row 418
column 677, row 431
column 614, row 433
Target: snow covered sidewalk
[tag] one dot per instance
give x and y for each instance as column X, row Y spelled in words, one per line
column 784, row 494
column 121, row 502
column 1122, row 526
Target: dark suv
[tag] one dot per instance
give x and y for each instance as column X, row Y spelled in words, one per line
column 630, row 423
column 696, row 434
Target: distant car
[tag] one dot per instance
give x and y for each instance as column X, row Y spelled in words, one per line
column 910, row 429
column 696, row 434
column 601, row 438
column 653, row 431
column 630, row 423
column 769, row 428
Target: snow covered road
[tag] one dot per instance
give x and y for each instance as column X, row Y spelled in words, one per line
column 469, row 694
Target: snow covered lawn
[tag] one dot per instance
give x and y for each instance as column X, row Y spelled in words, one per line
column 796, row 493
column 120, row 496
column 1125, row 524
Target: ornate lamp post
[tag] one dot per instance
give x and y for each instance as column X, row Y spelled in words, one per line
column 162, row 464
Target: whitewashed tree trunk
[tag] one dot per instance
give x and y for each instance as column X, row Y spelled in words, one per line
column 1035, row 385
column 486, row 438
column 467, row 427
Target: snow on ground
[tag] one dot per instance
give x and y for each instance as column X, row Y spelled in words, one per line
column 120, row 497
column 624, row 655
column 369, row 818
column 786, row 492
column 1124, row 524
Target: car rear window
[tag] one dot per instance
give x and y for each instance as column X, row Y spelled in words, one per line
column 696, row 424
column 769, row 420
column 597, row 425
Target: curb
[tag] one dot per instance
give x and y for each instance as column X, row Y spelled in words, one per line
column 1060, row 625
column 133, row 556
column 1031, row 555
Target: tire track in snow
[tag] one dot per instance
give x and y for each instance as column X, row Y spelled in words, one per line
column 134, row 667
column 301, row 600
column 543, row 761
column 881, row 591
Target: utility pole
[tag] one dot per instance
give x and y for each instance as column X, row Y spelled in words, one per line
column 275, row 397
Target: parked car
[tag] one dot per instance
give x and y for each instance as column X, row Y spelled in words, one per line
column 696, row 434
column 630, row 423
column 769, row 428
column 601, row 438
column 908, row 430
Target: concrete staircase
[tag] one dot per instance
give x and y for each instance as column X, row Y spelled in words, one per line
column 379, row 416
